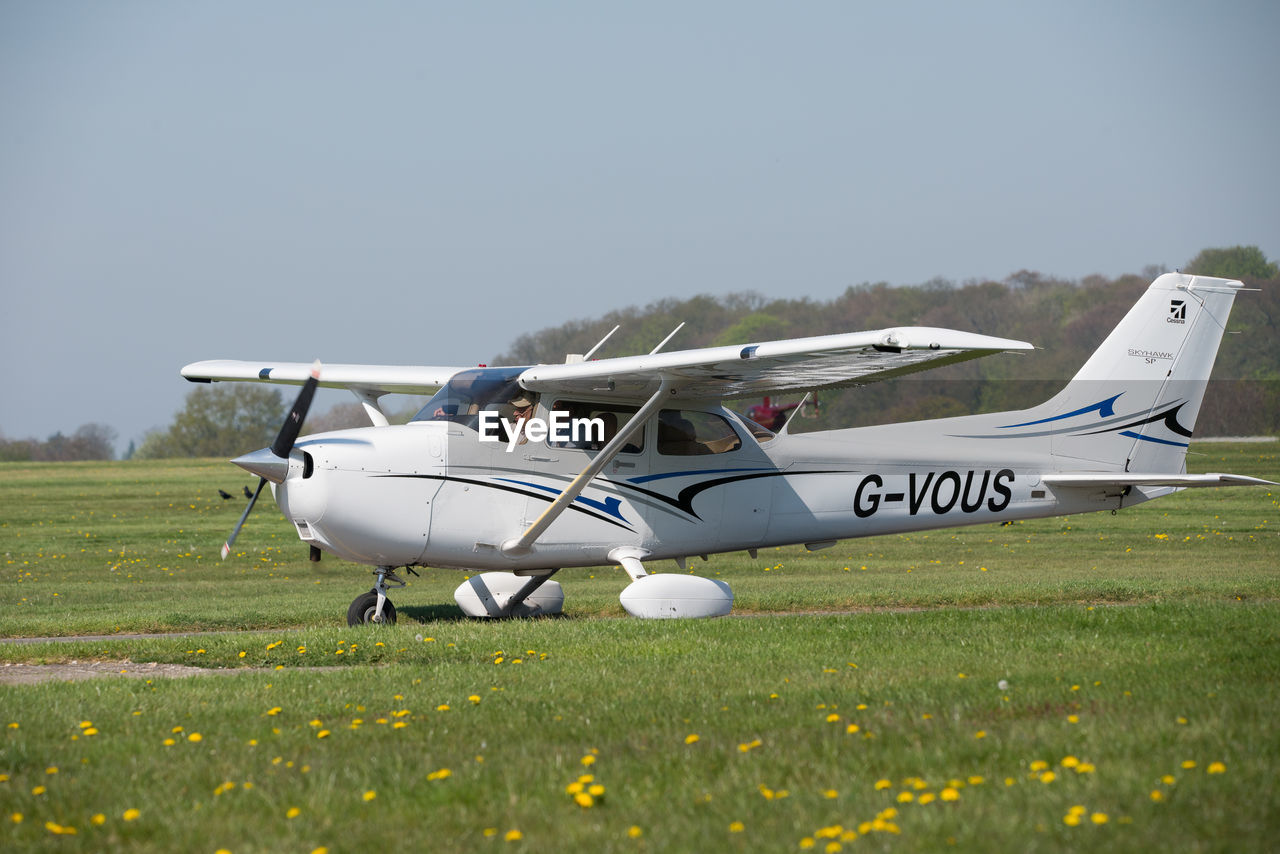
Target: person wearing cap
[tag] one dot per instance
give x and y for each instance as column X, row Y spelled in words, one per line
column 522, row 411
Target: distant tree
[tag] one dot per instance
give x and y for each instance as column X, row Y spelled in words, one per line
column 16, row 450
column 89, row 442
column 758, row 326
column 1237, row 262
column 219, row 421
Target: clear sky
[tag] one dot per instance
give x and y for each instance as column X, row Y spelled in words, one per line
column 421, row 182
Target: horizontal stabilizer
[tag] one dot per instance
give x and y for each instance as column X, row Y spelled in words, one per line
column 1094, row 480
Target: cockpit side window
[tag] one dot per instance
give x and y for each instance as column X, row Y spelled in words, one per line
column 690, row 433
column 596, row 424
column 758, row 431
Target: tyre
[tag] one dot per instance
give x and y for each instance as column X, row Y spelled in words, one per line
column 362, row 610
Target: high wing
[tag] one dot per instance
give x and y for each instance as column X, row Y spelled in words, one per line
column 374, row 379
column 821, row 362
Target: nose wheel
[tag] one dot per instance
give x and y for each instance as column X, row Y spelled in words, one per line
column 374, row 606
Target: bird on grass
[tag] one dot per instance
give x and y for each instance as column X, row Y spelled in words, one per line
column 247, row 493
column 225, row 495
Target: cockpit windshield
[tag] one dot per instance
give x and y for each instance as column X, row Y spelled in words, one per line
column 471, row 392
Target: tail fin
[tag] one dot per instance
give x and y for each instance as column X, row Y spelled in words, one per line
column 1133, row 405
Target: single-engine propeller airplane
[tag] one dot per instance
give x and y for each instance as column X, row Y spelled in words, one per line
column 520, row 471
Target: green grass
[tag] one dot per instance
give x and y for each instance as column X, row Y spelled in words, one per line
column 1130, row 651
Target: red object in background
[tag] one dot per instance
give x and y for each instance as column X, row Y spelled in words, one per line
column 767, row 415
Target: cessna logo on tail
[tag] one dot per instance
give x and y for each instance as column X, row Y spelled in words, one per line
column 1177, row 311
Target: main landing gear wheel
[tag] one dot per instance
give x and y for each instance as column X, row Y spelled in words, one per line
column 365, row 606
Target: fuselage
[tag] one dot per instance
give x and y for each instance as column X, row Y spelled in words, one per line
column 433, row 493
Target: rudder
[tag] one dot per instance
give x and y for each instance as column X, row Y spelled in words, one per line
column 1133, row 404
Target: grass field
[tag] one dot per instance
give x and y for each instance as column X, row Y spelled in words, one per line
column 1106, row 682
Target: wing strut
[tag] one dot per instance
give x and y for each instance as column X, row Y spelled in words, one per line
column 522, row 544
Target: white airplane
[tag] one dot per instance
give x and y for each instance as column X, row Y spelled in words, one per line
column 519, row 471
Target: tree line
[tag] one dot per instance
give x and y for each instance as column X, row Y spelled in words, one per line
column 1065, row 319
column 89, row 442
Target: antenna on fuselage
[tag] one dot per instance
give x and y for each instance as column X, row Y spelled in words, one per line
column 664, row 341
column 787, row 424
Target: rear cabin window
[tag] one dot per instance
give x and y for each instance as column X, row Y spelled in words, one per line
column 599, row 422
column 689, row 433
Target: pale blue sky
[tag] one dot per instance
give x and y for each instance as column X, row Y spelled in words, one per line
column 419, row 183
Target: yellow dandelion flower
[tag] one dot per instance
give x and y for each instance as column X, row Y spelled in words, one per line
column 905, row 797
column 1069, row 762
column 1039, row 765
column 1048, row 777
column 852, row 728
column 927, row 798
column 474, row 698
column 1071, row 819
column 275, row 710
column 369, row 795
column 588, row 759
column 692, row 738
column 977, row 780
column 596, row 790
column 169, row 742
column 1189, row 764
column 443, row 707
column 324, row 733
column 1099, row 818
column 131, row 814
column 584, row 800
column 1217, row 768
column 1157, row 795
column 634, row 831
column 1073, row 719
column 830, row 794
column 807, row 842
column 293, row 812
column 16, row 817
column 736, row 827
column 882, row 784
column 982, row 733
column 194, row 737
column 949, row 794
column 1085, row 768
column 98, row 819
column 442, row 774
column 832, row 718
column 513, row 835
column 38, row 790
column 833, row 847
column 1168, row 779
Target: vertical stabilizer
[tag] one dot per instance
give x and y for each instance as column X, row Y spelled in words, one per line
column 1133, row 405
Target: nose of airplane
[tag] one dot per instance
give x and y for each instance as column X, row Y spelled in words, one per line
column 265, row 464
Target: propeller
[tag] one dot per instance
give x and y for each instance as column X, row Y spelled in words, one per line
column 272, row 464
